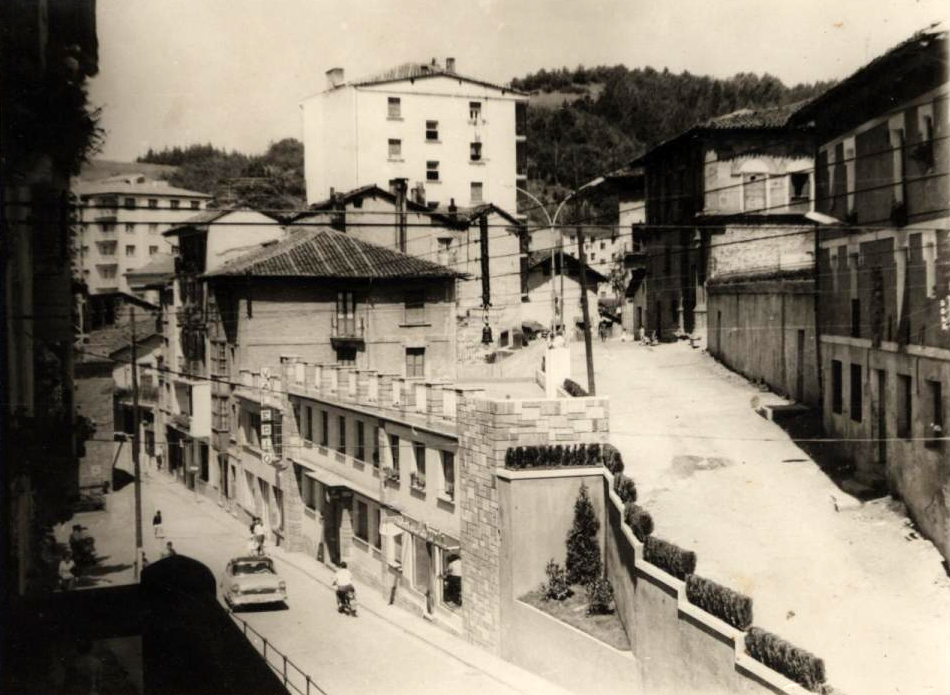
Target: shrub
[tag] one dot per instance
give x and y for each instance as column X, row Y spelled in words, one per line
column 600, row 596
column 583, row 554
column 669, row 557
column 639, row 520
column 625, row 488
column 613, row 461
column 801, row 666
column 724, row 603
column 556, row 588
column 574, row 389
column 593, row 454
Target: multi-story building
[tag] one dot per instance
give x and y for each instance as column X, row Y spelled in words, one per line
column 122, row 221
column 450, row 136
column 884, row 273
column 454, row 238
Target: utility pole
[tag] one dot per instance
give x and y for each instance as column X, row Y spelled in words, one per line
column 588, row 348
column 137, row 472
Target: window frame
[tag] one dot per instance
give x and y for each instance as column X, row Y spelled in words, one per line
column 394, row 108
column 341, row 434
column 837, row 387
column 856, row 402
column 414, row 302
column 432, row 131
column 432, row 171
column 480, row 187
column 415, row 362
column 394, row 148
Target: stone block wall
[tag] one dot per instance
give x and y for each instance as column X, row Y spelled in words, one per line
column 486, row 430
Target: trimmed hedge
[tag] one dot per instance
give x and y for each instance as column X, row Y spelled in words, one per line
column 724, row 603
column 801, row 666
column 625, row 488
column 613, row 461
column 639, row 520
column 669, row 557
column 574, row 389
column 548, row 456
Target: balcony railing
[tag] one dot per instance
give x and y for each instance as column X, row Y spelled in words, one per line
column 347, row 328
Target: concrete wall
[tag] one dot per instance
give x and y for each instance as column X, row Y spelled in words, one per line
column 237, row 233
column 754, row 329
column 564, row 655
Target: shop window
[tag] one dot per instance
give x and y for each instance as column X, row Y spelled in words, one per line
column 905, row 407
column 856, row 392
column 836, row 387
column 361, row 529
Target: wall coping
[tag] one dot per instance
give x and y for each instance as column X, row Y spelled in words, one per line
column 559, row 472
column 628, row 654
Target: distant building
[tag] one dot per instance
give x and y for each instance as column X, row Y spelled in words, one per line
column 545, row 282
column 121, row 224
column 450, row 236
column 884, row 273
column 451, row 137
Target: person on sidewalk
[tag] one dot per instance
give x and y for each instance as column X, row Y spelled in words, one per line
column 343, row 581
column 157, row 524
column 169, row 550
column 67, row 572
column 259, row 535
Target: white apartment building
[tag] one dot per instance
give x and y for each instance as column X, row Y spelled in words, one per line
column 121, row 224
column 451, row 137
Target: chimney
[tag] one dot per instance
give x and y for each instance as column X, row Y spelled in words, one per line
column 452, row 210
column 334, row 77
column 450, row 65
column 398, row 187
column 419, row 193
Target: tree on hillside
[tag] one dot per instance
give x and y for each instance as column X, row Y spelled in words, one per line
column 583, row 553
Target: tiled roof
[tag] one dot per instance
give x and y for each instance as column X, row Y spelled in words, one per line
column 105, row 341
column 160, row 264
column 536, row 258
column 321, row 252
column 134, row 185
column 415, row 71
column 754, row 118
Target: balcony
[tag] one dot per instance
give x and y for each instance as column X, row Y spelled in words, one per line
column 347, row 330
column 182, row 420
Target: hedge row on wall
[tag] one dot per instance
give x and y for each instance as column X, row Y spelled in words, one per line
column 574, row 389
column 669, row 557
column 548, row 456
column 639, row 520
column 612, row 459
column 724, row 603
column 625, row 488
column 801, row 666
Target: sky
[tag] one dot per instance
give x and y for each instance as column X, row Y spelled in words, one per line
column 233, row 72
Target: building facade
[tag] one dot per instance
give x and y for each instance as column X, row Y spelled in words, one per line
column 122, row 221
column 547, row 286
column 449, row 136
column 884, row 273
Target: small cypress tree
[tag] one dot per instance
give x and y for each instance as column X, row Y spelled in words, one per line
column 583, row 554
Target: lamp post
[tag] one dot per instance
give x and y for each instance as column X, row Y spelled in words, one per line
column 557, row 313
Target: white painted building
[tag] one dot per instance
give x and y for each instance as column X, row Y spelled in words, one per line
column 121, row 225
column 451, row 137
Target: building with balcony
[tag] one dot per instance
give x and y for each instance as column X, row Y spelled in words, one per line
column 884, row 273
column 452, row 237
column 452, row 137
column 122, row 220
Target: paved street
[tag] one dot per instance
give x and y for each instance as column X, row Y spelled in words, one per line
column 385, row 649
column 855, row 586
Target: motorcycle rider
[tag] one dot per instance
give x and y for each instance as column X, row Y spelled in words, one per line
column 343, row 581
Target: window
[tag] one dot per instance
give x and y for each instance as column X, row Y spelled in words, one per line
column 175, row 204
column 307, row 423
column 129, row 228
column 476, row 192
column 448, row 474
column 362, row 521
column 394, row 108
column 521, row 159
column 415, row 307
column 341, row 442
column 174, row 248
column 195, row 204
column 856, row 387
column 324, row 428
column 129, row 203
column 152, row 250
column 905, row 408
column 936, row 426
column 130, row 250
column 153, row 202
column 107, row 226
column 152, row 228
column 521, row 118
column 360, row 444
column 474, row 110
column 432, row 171
column 855, row 318
column 394, row 451
column 107, row 272
column 432, row 131
column 395, row 148
column 345, row 314
column 378, row 538
column 107, row 248
column 798, row 188
column 836, row 387
column 475, row 151
column 415, row 361
column 375, row 444
column 346, row 355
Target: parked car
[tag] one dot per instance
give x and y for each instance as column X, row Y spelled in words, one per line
column 251, row 580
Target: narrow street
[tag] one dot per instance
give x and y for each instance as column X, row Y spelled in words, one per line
column 852, row 583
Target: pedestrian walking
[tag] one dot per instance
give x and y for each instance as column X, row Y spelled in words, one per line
column 67, row 572
column 157, row 524
column 258, row 532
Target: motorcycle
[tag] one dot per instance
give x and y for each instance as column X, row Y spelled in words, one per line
column 346, row 601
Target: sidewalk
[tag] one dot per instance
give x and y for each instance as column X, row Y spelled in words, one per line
column 209, row 533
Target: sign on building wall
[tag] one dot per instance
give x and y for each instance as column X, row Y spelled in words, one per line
column 271, row 422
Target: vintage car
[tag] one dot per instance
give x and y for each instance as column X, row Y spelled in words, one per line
column 252, row 580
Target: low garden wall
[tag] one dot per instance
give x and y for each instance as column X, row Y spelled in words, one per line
column 564, row 655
